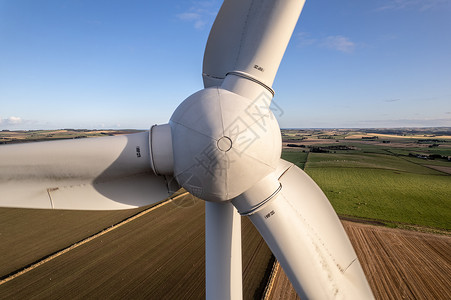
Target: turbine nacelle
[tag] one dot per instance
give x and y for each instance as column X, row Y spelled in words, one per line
column 222, row 144
column 216, row 136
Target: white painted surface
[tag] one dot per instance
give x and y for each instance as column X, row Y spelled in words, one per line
column 223, row 252
column 212, row 115
column 161, row 157
column 249, row 36
column 304, row 233
column 91, row 173
column 244, row 49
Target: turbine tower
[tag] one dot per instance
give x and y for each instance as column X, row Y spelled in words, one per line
column 223, row 145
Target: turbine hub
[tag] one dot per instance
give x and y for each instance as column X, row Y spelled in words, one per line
column 223, row 143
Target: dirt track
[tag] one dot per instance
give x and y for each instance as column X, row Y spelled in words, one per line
column 399, row 264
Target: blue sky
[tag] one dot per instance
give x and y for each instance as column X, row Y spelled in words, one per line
column 128, row 64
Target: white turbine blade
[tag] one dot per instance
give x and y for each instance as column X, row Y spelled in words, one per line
column 223, row 251
column 249, row 37
column 306, row 236
column 88, row 174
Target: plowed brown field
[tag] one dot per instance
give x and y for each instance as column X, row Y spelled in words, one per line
column 161, row 255
column 399, row 264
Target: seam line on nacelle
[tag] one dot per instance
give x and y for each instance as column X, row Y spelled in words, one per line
column 152, row 163
column 251, row 78
column 261, row 204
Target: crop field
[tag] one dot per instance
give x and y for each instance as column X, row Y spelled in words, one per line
column 158, row 255
column 7, row 137
column 385, row 188
column 398, row 264
column 399, row 181
column 296, row 157
column 30, row 234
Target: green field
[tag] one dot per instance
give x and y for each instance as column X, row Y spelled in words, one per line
column 400, row 177
column 382, row 182
column 368, row 180
column 296, row 157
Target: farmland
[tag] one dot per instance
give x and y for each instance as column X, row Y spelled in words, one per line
column 398, row 264
column 158, row 255
column 399, row 179
column 8, row 137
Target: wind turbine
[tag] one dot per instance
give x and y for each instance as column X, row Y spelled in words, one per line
column 223, row 145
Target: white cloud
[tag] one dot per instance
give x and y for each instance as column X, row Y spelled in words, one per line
column 421, row 5
column 14, row 120
column 201, row 13
column 11, row 121
column 304, row 39
column 339, row 43
column 334, row 42
column 189, row 16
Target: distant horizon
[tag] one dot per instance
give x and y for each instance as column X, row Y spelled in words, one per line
column 129, row 64
column 282, row 128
